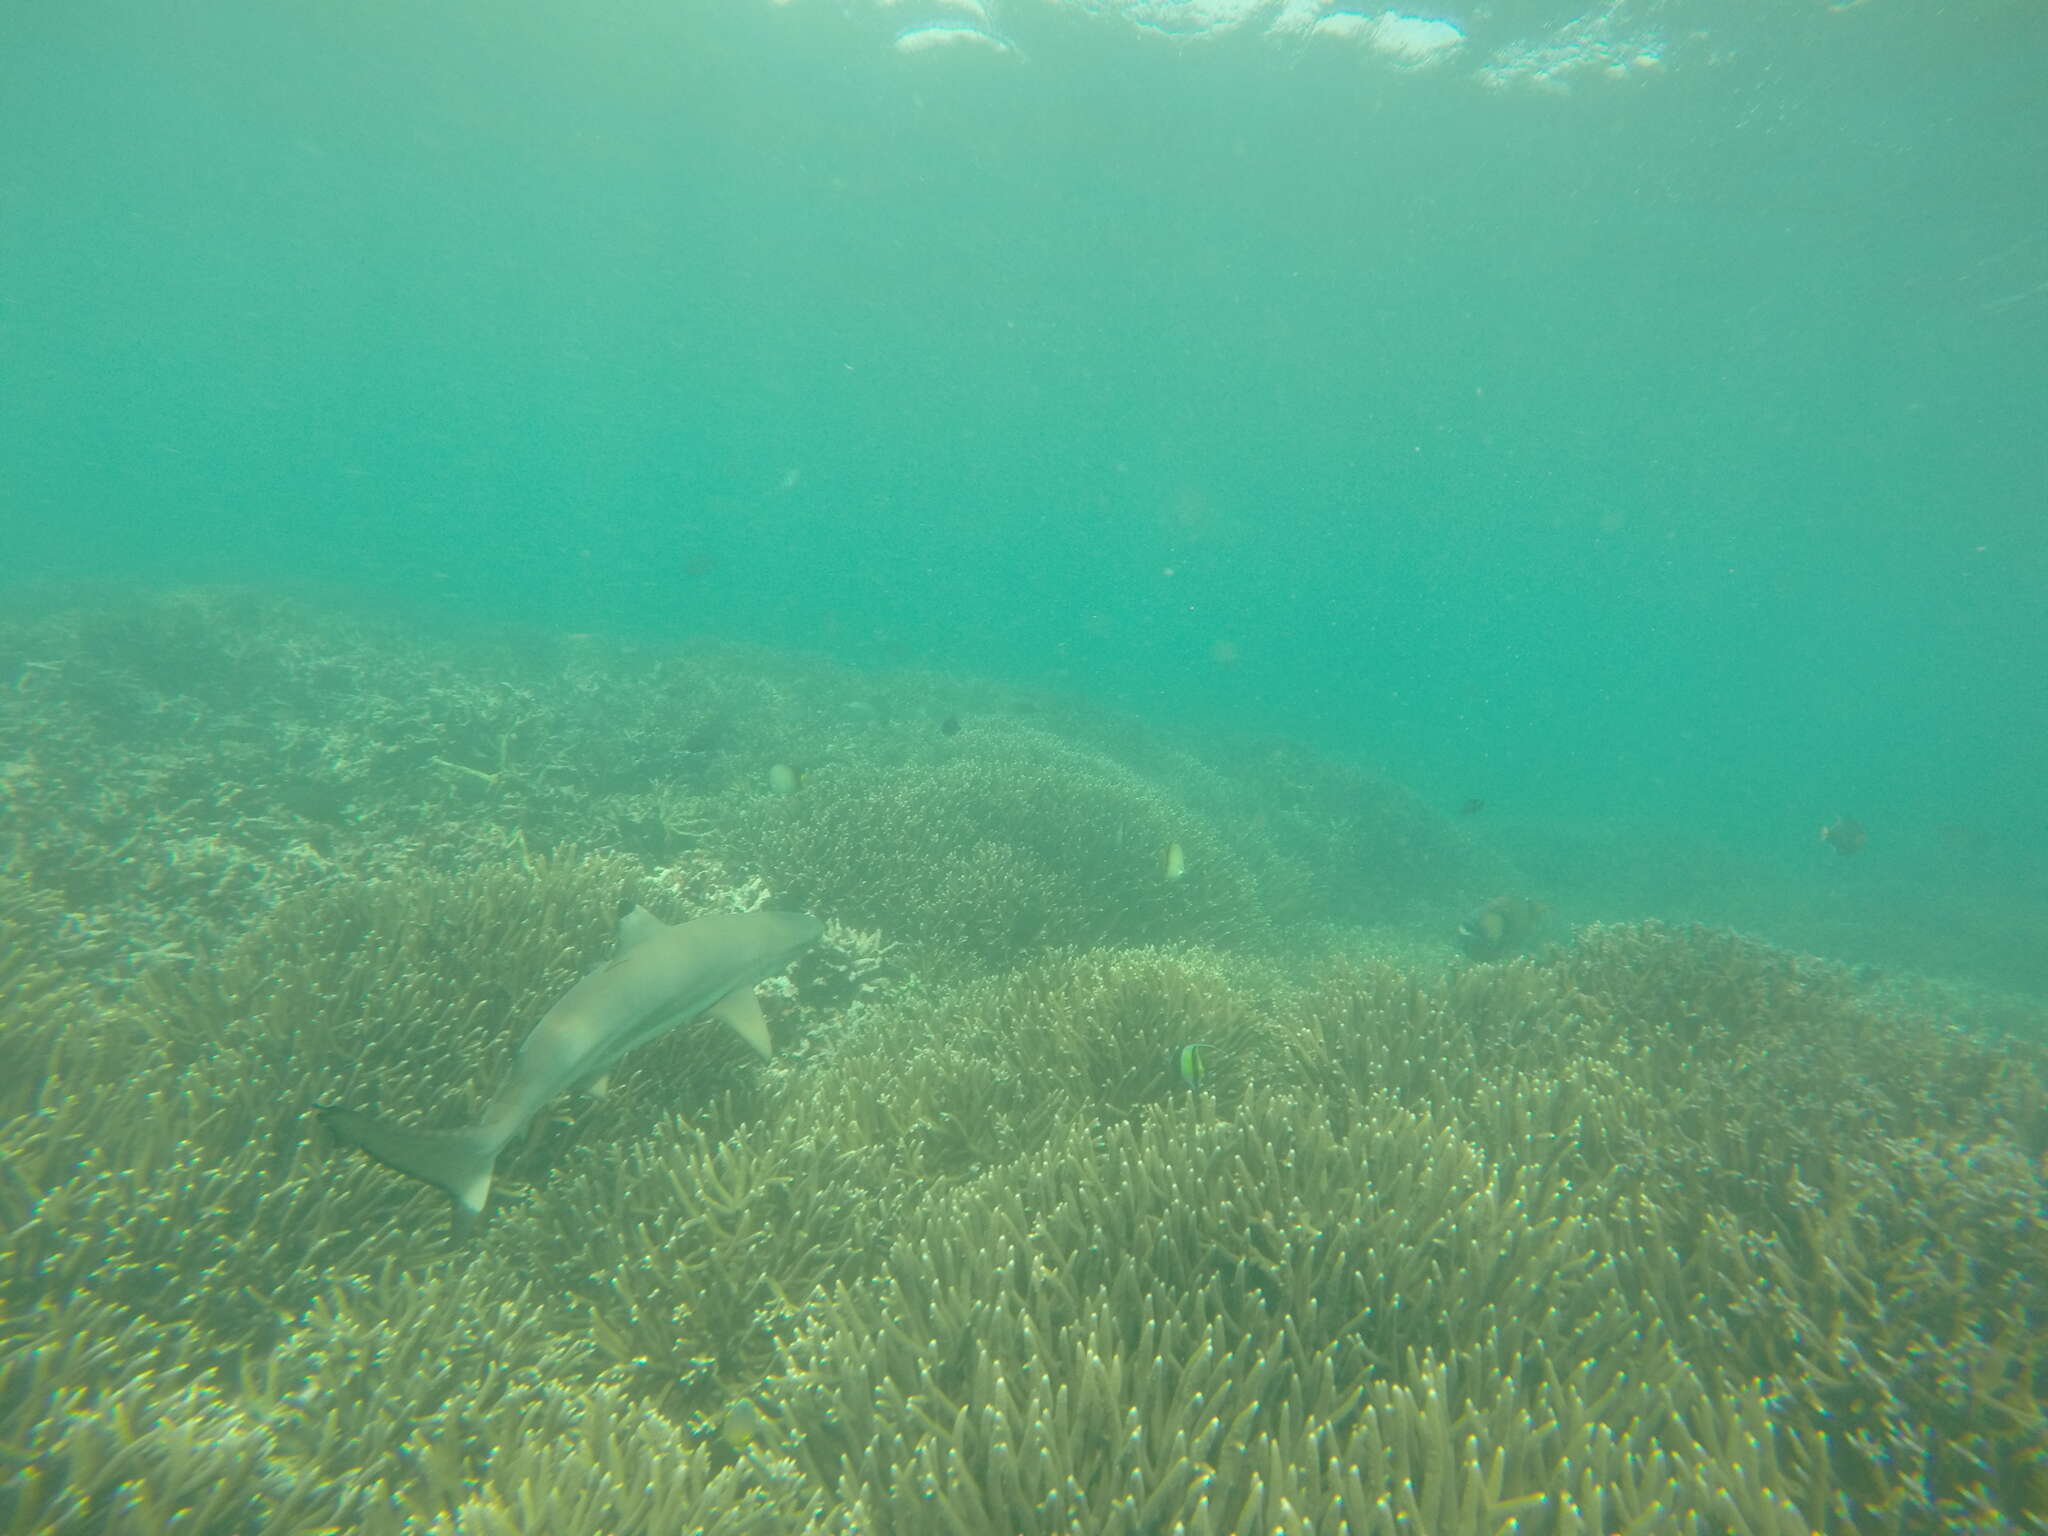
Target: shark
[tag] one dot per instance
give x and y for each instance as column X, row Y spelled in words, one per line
column 660, row 976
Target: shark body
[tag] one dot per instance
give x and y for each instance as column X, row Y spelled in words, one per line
column 659, row 977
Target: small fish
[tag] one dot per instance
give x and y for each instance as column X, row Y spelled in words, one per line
column 1500, row 927
column 1192, row 1062
column 783, row 779
column 1173, row 863
column 950, row 726
column 1472, row 807
column 742, row 1423
column 1846, row 834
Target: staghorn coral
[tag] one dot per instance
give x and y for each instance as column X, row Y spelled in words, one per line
column 239, row 1281
column 171, row 766
column 1835, row 1199
column 684, row 1257
column 396, row 1405
column 141, row 1459
column 174, row 765
column 43, row 1002
column 1014, row 843
column 992, row 1380
column 592, row 1460
column 1190, row 1323
column 1668, row 1232
column 175, row 1146
column 958, row 1080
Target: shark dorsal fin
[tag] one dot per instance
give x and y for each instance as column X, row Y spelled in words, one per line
column 742, row 1010
column 637, row 927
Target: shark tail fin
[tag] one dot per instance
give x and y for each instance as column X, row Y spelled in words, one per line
column 456, row 1162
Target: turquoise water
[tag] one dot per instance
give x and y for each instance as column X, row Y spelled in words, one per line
column 1166, row 527
column 1652, row 447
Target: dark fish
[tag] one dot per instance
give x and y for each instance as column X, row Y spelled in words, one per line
column 950, row 726
column 1501, row 927
column 1472, row 807
column 1846, row 834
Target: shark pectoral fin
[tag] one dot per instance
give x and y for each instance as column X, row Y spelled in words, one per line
column 742, row 1011
column 456, row 1162
column 599, row 1085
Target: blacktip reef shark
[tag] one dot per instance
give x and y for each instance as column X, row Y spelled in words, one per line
column 660, row 976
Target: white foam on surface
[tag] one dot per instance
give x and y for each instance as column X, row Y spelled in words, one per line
column 948, row 37
column 1614, row 40
column 1409, row 40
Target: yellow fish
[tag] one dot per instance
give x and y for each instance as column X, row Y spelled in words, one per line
column 1500, row 927
column 743, row 1423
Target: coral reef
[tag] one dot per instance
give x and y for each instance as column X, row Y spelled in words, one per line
column 172, row 766
column 1010, row 841
column 1661, row 1231
column 1664, row 1232
column 1252, row 1324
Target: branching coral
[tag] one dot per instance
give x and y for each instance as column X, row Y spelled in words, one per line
column 1666, row 1231
column 43, row 1004
column 173, row 766
column 959, row 1080
column 685, row 1256
column 1835, row 1200
column 1015, row 843
column 1220, row 1325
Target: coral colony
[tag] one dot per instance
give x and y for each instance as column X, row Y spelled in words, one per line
column 1659, row 1229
